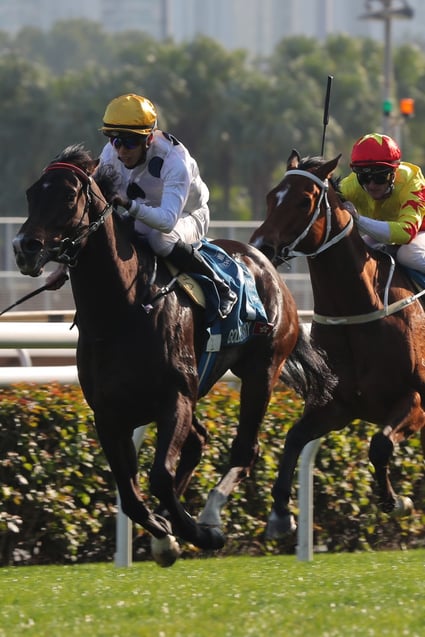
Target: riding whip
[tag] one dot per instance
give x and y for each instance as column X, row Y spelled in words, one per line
column 326, row 112
column 25, row 298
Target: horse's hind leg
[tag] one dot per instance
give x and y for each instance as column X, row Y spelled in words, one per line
column 190, row 455
column 244, row 451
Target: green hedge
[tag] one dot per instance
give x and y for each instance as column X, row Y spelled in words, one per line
column 59, row 502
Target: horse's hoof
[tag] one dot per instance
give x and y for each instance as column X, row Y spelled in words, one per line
column 212, row 538
column 279, row 525
column 217, row 538
column 402, row 506
column 165, row 550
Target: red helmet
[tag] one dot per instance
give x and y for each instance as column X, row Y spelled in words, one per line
column 375, row 149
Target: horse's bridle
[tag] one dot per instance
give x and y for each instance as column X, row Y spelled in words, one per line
column 69, row 248
column 288, row 252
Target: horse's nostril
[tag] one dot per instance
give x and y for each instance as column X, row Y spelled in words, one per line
column 31, row 246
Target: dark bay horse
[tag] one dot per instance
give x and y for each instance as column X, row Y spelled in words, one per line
column 367, row 319
column 136, row 367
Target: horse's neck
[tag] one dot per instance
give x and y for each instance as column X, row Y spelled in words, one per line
column 344, row 277
column 104, row 281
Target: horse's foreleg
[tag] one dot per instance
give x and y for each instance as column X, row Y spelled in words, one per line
column 312, row 425
column 121, row 455
column 380, row 452
column 173, row 431
column 190, row 457
column 408, row 418
column 281, row 521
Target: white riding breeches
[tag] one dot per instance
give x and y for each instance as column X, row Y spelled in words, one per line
column 190, row 228
column 412, row 255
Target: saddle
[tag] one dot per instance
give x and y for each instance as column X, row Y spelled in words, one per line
column 203, row 292
column 247, row 319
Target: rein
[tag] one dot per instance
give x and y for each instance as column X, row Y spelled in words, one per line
column 355, row 319
column 289, row 252
column 68, row 250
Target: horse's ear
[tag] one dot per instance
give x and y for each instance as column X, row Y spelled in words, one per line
column 293, row 160
column 326, row 169
column 92, row 165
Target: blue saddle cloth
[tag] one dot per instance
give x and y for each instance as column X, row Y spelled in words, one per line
column 417, row 277
column 248, row 317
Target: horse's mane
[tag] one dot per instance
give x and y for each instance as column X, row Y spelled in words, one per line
column 105, row 176
column 306, row 163
column 75, row 154
column 311, row 162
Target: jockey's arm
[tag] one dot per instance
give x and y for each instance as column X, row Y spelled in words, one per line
column 398, row 232
column 176, row 185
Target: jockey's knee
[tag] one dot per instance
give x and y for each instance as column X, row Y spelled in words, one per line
column 161, row 243
column 411, row 256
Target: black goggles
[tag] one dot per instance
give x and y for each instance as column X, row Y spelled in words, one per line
column 379, row 177
column 130, row 142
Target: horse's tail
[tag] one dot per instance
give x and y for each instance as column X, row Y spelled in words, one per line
column 306, row 371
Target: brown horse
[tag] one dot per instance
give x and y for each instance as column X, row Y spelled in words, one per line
column 367, row 319
column 138, row 366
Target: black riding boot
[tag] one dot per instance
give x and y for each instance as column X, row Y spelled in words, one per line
column 185, row 257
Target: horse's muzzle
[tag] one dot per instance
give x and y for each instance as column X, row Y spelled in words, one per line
column 30, row 255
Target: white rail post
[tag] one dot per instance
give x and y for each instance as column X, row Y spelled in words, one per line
column 305, row 501
column 124, row 526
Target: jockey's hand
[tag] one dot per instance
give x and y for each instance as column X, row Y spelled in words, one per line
column 124, row 202
column 347, row 205
column 57, row 278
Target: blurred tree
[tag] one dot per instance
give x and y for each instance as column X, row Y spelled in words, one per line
column 239, row 117
column 23, row 110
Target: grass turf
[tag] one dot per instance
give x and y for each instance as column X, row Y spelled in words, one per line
column 337, row 595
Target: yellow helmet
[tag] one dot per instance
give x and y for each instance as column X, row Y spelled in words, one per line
column 129, row 113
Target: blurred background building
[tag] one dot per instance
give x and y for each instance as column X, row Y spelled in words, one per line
column 255, row 25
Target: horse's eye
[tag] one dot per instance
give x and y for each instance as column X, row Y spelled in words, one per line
column 305, row 203
column 70, row 196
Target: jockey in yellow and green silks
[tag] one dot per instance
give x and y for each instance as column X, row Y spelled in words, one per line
column 387, row 197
